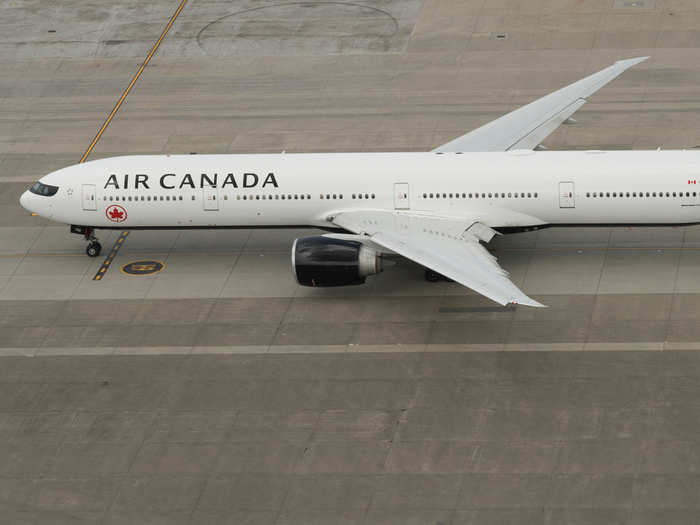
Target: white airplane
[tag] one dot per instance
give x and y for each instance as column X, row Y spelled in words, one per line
column 435, row 208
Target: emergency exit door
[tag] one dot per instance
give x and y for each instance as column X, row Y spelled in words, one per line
column 211, row 198
column 401, row 200
column 566, row 195
column 89, row 202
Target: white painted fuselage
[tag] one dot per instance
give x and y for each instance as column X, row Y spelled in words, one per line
column 517, row 189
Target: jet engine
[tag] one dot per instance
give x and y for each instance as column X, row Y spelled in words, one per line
column 325, row 261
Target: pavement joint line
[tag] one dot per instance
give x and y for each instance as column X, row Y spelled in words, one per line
column 47, row 351
column 106, row 264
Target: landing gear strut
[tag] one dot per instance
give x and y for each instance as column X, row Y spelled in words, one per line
column 94, row 247
column 433, row 277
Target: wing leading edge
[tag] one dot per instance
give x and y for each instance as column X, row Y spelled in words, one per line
column 528, row 126
column 448, row 246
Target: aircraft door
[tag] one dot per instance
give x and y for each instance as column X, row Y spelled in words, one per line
column 566, row 195
column 89, row 200
column 401, row 196
column 210, row 198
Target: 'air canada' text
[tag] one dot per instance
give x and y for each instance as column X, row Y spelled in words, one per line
column 171, row 181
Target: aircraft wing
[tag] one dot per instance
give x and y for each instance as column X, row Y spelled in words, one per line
column 528, row 126
column 446, row 245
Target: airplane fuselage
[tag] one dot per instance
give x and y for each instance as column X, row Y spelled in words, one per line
column 291, row 190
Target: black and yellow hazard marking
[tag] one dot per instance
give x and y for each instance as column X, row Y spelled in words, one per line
column 142, row 267
column 110, row 256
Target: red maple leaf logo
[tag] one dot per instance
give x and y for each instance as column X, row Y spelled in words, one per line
column 116, row 213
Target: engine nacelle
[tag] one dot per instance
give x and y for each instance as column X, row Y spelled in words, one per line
column 324, row 261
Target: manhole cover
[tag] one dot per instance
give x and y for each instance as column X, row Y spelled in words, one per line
column 143, row 267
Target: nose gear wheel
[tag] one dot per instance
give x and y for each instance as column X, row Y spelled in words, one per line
column 93, row 249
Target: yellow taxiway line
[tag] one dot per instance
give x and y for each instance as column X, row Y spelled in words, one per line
column 113, row 252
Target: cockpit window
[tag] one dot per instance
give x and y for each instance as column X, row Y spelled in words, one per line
column 43, row 189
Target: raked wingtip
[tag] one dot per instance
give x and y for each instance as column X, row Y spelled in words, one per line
column 629, row 62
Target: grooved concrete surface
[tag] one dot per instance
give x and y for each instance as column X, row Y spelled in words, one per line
column 219, row 391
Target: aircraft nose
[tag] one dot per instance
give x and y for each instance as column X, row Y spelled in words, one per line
column 24, row 200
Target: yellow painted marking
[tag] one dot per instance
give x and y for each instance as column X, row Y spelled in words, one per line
column 109, row 118
column 112, row 254
column 133, row 80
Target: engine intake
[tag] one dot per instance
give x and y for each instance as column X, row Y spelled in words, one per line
column 324, row 261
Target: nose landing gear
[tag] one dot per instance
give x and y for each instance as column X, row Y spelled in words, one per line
column 94, row 248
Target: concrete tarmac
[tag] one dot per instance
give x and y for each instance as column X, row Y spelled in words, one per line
column 219, row 391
